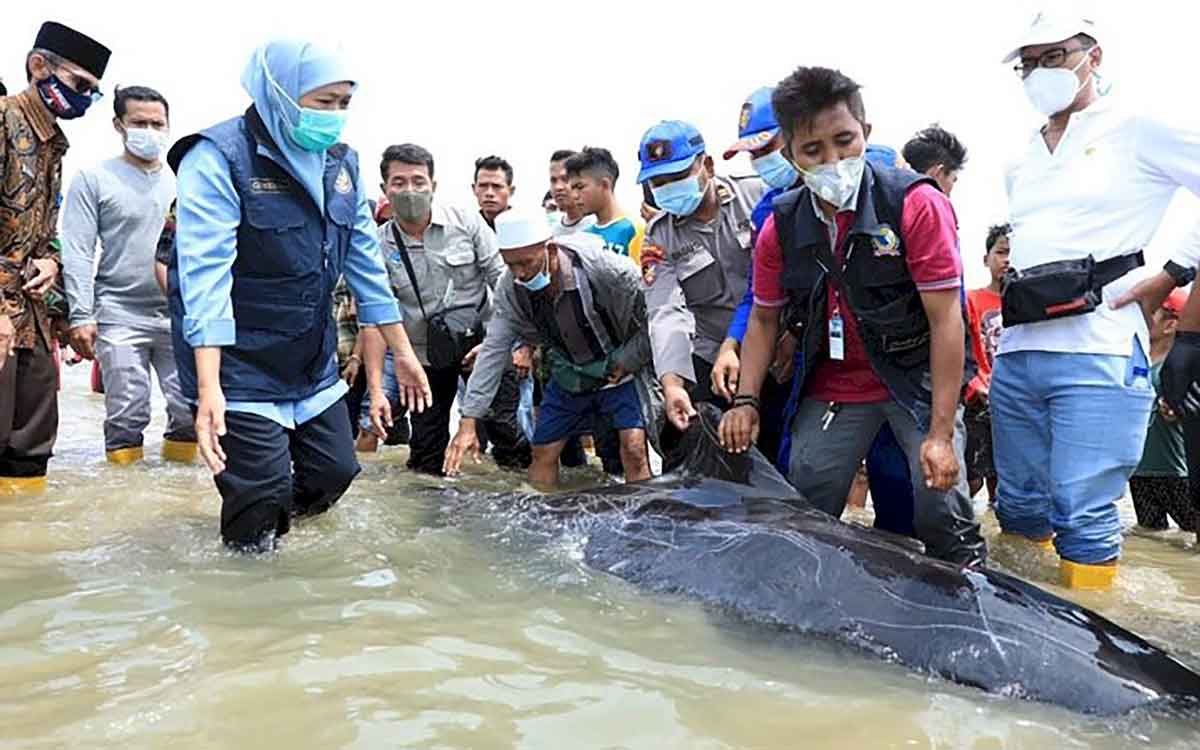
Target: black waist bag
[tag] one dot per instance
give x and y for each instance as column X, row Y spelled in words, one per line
column 1060, row 289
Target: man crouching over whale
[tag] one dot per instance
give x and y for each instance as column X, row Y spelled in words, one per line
column 862, row 263
column 584, row 306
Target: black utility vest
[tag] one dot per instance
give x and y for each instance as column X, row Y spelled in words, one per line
column 876, row 287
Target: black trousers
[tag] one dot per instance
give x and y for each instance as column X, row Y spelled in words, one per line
column 273, row 474
column 1155, row 498
column 1191, row 438
column 354, row 399
column 510, row 448
column 28, row 412
column 431, row 428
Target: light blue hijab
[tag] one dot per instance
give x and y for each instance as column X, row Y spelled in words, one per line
column 297, row 68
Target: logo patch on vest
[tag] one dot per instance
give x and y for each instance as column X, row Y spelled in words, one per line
column 270, row 185
column 886, row 243
column 652, row 255
column 343, row 184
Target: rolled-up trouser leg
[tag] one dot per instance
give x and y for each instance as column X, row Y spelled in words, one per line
column 124, row 355
column 256, row 486
column 322, row 454
column 944, row 520
column 1099, row 411
column 28, row 412
column 180, row 426
column 1021, row 445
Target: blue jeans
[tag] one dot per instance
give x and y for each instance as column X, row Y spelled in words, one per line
column 1068, row 432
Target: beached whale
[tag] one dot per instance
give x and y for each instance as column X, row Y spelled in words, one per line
column 730, row 532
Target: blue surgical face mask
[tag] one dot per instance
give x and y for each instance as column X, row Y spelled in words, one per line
column 681, row 197
column 541, row 280
column 312, row 129
column 775, row 170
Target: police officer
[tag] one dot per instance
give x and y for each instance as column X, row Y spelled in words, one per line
column 759, row 137
column 695, row 261
column 271, row 212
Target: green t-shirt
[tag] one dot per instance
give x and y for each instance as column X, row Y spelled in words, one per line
column 1164, row 454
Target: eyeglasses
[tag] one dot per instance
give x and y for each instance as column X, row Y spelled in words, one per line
column 79, row 86
column 1051, row 58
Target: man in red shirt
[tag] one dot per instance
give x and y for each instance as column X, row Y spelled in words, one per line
column 983, row 314
column 862, row 264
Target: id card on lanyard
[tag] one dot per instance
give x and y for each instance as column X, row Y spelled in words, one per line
column 837, row 338
column 837, row 328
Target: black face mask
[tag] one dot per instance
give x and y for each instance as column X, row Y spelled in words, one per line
column 65, row 102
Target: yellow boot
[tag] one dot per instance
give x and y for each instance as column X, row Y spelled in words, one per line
column 179, row 450
column 124, row 456
column 1046, row 544
column 1084, row 577
column 10, row 486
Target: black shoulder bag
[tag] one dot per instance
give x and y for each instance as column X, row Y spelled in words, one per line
column 445, row 347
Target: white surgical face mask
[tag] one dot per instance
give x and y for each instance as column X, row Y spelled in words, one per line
column 1051, row 90
column 837, row 183
column 146, row 143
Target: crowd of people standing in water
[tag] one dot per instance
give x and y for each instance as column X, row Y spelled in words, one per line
column 820, row 304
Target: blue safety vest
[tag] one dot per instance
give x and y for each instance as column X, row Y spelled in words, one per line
column 289, row 257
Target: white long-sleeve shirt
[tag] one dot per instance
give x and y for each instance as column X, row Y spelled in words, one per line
column 1104, row 191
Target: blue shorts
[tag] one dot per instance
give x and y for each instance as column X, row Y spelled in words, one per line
column 564, row 414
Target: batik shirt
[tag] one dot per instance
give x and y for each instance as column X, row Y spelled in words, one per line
column 31, row 151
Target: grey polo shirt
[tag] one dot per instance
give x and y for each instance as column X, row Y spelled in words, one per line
column 123, row 208
column 456, row 262
column 695, row 274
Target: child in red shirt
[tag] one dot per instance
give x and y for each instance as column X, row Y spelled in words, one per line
column 983, row 314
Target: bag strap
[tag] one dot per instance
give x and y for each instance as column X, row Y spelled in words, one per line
column 1108, row 271
column 412, row 277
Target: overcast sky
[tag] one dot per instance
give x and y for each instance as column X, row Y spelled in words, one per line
column 521, row 79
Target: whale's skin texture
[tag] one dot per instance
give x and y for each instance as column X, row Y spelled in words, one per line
column 730, row 532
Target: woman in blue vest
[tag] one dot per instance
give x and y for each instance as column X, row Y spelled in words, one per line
column 271, row 213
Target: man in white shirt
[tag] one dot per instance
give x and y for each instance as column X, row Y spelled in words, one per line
column 1071, row 393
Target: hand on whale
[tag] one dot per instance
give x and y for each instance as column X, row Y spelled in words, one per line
column 727, row 530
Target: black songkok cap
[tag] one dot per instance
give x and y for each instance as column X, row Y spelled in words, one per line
column 69, row 44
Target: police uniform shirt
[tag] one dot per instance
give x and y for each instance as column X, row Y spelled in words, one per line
column 695, row 274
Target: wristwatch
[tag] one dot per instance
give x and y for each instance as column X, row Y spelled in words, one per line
column 1181, row 274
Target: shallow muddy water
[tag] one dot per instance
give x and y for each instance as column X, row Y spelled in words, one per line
column 406, row 618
